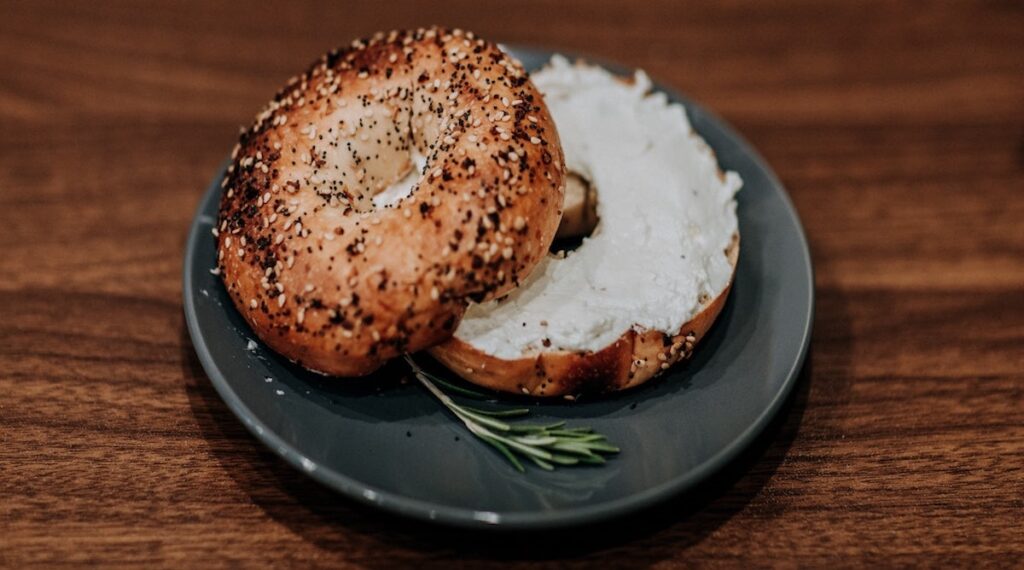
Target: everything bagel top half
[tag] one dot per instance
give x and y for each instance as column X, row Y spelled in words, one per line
column 333, row 267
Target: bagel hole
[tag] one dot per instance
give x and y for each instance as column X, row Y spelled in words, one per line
column 382, row 157
column 579, row 214
column 403, row 185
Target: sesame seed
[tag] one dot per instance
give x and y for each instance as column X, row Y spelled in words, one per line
column 534, row 140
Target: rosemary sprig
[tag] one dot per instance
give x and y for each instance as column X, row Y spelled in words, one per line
column 546, row 446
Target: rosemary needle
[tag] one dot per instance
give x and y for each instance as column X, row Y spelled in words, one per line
column 546, row 446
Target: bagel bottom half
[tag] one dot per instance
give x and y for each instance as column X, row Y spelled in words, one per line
column 644, row 288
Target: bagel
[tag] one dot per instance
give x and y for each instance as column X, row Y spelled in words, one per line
column 645, row 287
column 381, row 191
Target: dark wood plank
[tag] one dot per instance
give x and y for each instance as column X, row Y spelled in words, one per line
column 897, row 127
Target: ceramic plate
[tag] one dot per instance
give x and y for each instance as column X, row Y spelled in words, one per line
column 390, row 445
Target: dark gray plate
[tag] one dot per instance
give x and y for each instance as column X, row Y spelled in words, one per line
column 390, row 445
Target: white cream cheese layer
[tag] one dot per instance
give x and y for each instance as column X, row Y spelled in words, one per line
column 666, row 219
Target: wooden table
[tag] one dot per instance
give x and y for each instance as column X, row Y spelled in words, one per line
column 898, row 129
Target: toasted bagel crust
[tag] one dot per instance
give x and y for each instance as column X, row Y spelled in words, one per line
column 339, row 284
column 634, row 358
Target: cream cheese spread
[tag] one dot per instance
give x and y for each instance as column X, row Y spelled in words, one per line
column 666, row 218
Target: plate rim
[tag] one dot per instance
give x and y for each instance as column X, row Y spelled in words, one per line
column 468, row 518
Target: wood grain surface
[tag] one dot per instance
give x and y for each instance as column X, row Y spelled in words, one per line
column 898, row 128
